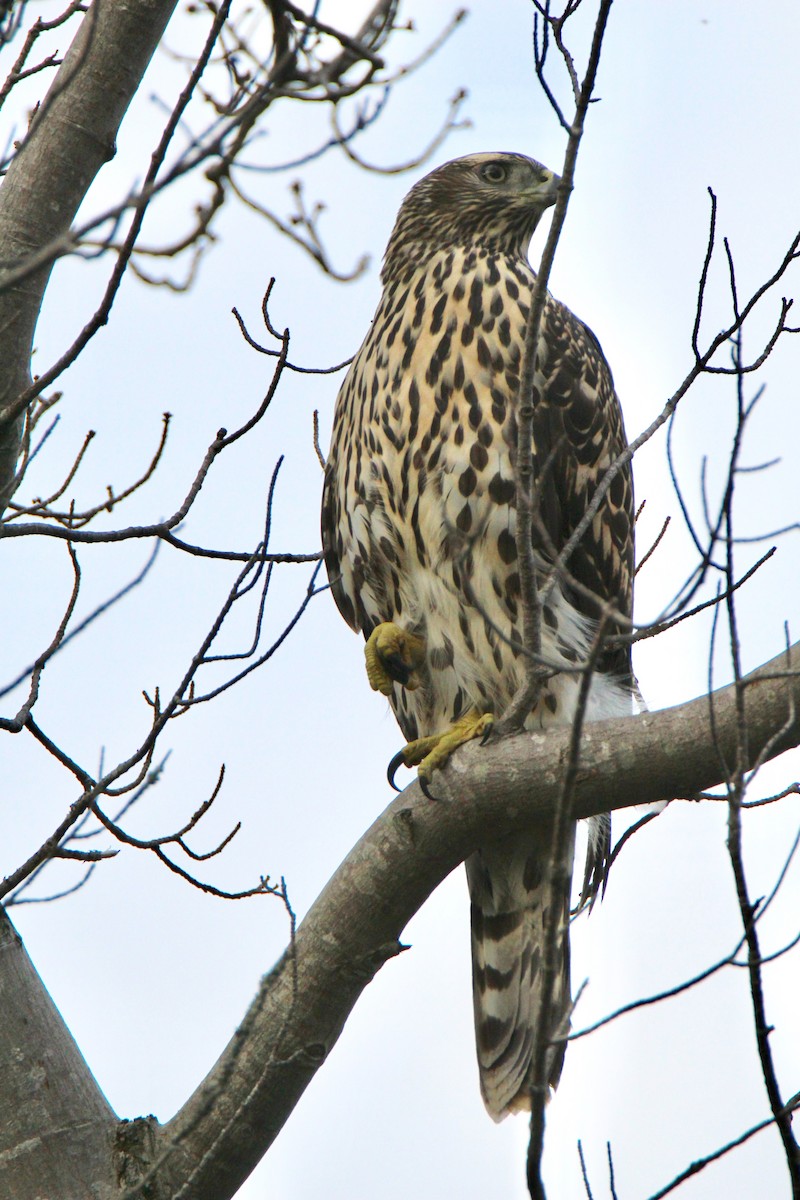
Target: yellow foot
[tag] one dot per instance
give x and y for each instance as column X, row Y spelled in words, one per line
column 393, row 656
column 432, row 753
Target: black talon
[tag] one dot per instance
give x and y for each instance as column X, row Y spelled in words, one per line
column 423, row 784
column 391, row 770
column 396, row 668
column 487, row 733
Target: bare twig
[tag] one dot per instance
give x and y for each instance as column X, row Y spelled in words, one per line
column 584, row 1173
column 528, row 692
column 317, row 447
column 701, row 1163
column 561, row 866
column 57, row 647
column 781, row 1115
column 700, row 366
column 17, row 723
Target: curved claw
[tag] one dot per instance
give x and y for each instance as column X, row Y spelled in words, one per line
column 425, row 789
column 397, row 761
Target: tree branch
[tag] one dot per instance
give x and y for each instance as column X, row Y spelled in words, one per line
column 208, row 1149
column 43, row 1106
column 76, row 127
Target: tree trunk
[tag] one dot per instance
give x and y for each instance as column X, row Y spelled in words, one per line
column 72, row 135
column 56, row 1126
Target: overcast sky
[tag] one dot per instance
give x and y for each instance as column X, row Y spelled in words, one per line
column 153, row 977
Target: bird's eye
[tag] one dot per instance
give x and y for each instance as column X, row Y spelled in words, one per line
column 494, row 172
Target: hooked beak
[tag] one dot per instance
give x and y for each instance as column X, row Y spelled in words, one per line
column 544, row 192
column 548, row 191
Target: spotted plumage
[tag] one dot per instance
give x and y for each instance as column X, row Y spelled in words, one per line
column 418, row 529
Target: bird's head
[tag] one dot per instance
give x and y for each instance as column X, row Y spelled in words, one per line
column 488, row 200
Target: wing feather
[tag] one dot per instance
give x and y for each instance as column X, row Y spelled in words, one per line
column 578, row 434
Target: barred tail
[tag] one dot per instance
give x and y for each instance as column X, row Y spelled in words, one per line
column 510, row 901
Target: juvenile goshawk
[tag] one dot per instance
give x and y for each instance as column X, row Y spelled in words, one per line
column 418, row 528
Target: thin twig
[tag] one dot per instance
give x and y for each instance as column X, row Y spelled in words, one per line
column 528, row 691
column 701, row 1163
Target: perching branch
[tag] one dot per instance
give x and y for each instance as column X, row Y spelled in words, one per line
column 500, row 788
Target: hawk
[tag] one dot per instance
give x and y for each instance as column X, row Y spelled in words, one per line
column 418, row 531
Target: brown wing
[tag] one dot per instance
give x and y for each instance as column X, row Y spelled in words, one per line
column 331, row 545
column 358, row 570
column 578, row 434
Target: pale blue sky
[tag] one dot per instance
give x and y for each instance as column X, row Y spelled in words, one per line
column 152, row 977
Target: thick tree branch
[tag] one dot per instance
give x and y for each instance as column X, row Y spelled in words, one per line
column 73, row 133
column 51, row 1110
column 213, row 1143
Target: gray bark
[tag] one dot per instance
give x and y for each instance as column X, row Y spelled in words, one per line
column 214, row 1142
column 210, row 1147
column 56, row 1127
column 70, row 139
